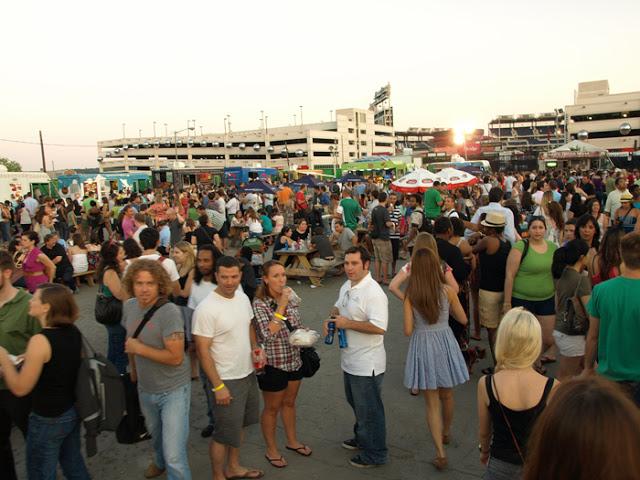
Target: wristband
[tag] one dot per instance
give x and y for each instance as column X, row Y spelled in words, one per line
column 279, row 317
column 218, row 388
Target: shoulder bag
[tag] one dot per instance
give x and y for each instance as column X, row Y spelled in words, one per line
column 132, row 428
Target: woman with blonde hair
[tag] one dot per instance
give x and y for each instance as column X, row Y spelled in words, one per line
column 434, row 361
column 424, row 240
column 184, row 256
column 510, row 401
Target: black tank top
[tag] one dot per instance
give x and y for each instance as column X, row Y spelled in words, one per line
column 493, row 268
column 521, row 421
column 54, row 393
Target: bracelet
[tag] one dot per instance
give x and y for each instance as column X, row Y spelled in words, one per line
column 218, row 388
column 279, row 317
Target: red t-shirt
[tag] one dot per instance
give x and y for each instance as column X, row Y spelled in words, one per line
column 301, row 201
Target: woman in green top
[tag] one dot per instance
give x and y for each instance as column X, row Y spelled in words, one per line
column 529, row 283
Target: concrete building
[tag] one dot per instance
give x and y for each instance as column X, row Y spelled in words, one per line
column 607, row 120
column 352, row 135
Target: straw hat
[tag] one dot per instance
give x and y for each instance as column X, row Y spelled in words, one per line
column 626, row 197
column 494, row 219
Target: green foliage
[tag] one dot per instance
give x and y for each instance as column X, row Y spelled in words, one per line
column 11, row 165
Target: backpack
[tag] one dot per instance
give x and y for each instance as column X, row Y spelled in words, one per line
column 100, row 397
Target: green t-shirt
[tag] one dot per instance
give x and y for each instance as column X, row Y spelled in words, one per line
column 86, row 203
column 193, row 214
column 350, row 211
column 431, row 199
column 534, row 280
column 616, row 303
column 16, row 326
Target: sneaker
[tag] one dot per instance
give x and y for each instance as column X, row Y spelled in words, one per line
column 207, row 431
column 153, row 471
column 359, row 463
column 350, row 444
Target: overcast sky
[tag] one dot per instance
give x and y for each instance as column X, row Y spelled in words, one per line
column 78, row 70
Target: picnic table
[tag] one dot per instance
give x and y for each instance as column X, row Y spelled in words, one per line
column 301, row 266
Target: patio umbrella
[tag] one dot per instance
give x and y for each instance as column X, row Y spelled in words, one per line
column 307, row 180
column 351, row 177
column 455, row 178
column 258, row 186
column 414, row 182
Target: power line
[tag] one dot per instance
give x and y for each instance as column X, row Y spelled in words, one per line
column 46, row 144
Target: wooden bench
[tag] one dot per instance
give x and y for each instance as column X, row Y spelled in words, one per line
column 89, row 274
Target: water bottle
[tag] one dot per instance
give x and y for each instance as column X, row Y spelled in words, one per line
column 342, row 338
column 331, row 327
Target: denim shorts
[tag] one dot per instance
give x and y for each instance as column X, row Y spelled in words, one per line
column 537, row 307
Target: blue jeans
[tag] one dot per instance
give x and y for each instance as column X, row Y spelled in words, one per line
column 167, row 417
column 53, row 439
column 5, row 230
column 115, row 351
column 364, row 396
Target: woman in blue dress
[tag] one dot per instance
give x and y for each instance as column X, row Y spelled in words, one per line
column 434, row 361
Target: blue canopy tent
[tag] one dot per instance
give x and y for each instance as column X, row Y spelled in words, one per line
column 351, row 177
column 308, row 180
column 258, row 186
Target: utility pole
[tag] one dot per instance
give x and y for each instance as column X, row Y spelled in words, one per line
column 44, row 164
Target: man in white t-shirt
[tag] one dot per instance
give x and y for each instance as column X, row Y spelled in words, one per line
column 508, row 185
column 140, row 222
column 362, row 312
column 224, row 340
column 150, row 239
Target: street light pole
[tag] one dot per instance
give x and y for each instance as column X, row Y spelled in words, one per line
column 154, row 129
column 123, row 131
column 301, row 122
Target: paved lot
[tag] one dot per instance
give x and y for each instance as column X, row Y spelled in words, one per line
column 324, row 418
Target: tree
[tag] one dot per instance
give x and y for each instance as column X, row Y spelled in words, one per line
column 11, row 165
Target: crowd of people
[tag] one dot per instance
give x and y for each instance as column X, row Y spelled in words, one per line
column 547, row 263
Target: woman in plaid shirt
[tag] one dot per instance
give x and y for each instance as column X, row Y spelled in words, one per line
column 274, row 306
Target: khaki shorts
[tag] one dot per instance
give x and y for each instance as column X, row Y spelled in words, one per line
column 382, row 250
column 244, row 410
column 490, row 307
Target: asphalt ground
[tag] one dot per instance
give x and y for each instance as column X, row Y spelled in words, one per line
column 324, row 417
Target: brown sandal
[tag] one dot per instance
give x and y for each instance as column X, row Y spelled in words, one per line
column 440, row 463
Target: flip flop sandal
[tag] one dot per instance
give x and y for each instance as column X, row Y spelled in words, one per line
column 272, row 462
column 248, row 474
column 300, row 450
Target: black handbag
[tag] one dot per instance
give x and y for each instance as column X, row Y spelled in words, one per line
column 308, row 355
column 108, row 310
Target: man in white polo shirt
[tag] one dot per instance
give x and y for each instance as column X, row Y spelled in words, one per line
column 224, row 339
column 362, row 311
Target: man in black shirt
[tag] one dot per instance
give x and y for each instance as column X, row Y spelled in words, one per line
column 443, row 230
column 58, row 255
column 326, row 257
column 206, row 234
column 588, row 188
column 175, row 226
column 381, row 224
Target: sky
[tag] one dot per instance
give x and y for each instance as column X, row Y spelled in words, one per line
column 79, row 70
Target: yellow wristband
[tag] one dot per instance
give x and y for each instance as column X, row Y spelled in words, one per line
column 280, row 317
column 218, row 388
